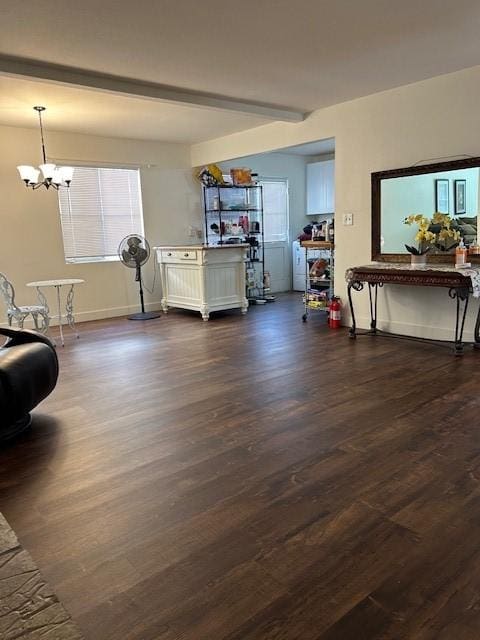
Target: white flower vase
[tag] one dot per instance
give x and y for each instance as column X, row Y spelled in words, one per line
column 418, row 261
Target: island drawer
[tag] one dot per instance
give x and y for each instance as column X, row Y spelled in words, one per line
column 178, row 255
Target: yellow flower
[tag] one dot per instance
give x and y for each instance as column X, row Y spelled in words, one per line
column 439, row 218
column 447, row 232
column 423, row 235
column 415, row 217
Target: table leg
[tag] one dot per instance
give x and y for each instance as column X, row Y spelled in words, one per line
column 460, row 295
column 307, row 274
column 476, row 332
column 57, row 287
column 351, row 331
column 358, row 286
column 69, row 308
column 372, row 297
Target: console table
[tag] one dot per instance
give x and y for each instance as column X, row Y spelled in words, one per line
column 461, row 284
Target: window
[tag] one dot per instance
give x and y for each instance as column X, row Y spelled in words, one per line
column 275, row 209
column 102, row 206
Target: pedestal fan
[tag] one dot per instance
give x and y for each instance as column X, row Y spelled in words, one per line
column 134, row 252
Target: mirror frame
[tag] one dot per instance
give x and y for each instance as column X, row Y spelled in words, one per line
column 377, row 178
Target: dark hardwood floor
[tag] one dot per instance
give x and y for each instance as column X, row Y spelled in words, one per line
column 254, row 478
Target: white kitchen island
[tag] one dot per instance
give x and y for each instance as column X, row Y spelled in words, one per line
column 203, row 278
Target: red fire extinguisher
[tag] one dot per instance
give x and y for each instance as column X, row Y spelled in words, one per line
column 334, row 313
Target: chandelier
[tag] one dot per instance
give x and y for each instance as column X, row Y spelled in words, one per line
column 53, row 176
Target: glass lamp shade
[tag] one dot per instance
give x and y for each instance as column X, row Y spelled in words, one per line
column 57, row 176
column 27, row 173
column 48, row 170
column 66, row 174
column 34, row 177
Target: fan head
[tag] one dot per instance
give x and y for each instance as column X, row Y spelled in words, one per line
column 134, row 251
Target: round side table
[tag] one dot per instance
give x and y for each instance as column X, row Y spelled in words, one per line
column 58, row 284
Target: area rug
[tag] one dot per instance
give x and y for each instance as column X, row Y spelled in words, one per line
column 28, row 607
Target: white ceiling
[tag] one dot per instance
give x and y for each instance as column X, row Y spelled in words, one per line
column 303, row 55
column 106, row 114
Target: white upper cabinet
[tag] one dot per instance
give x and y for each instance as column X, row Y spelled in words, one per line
column 321, row 187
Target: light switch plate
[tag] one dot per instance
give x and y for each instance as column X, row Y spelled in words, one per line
column 348, row 219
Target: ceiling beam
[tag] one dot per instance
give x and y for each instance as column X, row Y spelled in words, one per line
column 130, row 87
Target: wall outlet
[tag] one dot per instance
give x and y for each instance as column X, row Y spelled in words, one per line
column 348, row 219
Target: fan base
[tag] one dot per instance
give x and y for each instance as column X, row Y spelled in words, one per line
column 145, row 315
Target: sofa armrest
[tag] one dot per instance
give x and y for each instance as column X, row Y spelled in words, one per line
column 23, row 336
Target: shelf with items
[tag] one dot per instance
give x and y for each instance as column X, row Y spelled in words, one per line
column 215, row 211
column 315, row 299
column 319, row 277
column 317, row 244
column 319, row 281
column 233, row 215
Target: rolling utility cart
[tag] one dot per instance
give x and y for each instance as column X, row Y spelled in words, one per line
column 319, row 282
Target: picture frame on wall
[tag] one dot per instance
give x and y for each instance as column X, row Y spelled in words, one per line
column 460, row 196
column 442, row 196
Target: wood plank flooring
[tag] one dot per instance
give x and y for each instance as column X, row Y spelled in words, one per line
column 254, row 478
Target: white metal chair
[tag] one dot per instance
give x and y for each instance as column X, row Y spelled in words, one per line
column 39, row 313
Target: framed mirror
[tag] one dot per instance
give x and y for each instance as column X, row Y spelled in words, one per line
column 448, row 188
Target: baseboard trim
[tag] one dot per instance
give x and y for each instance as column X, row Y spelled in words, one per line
column 412, row 329
column 98, row 314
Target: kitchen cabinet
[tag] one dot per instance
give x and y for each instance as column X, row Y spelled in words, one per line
column 321, row 188
column 203, row 278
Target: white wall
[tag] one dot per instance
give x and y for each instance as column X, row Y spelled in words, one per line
column 32, row 246
column 431, row 119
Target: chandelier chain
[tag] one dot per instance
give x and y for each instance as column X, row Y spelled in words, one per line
column 41, row 136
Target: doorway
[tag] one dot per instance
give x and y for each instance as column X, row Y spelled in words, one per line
column 296, row 193
column 276, row 221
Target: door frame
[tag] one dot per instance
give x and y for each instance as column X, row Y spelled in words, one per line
column 285, row 244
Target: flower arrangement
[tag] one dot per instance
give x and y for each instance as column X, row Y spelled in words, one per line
column 435, row 232
column 423, row 237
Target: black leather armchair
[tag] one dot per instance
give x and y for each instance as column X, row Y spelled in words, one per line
column 28, row 374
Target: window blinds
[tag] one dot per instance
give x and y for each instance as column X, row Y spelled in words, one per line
column 102, row 206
